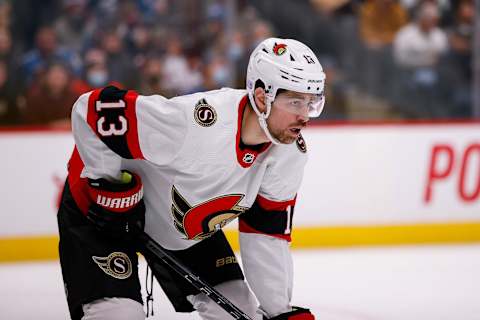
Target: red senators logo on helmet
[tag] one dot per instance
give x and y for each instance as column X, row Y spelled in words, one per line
column 203, row 220
column 279, row 49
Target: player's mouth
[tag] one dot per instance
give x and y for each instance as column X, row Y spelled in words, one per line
column 295, row 130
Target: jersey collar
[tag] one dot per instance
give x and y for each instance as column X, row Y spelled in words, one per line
column 246, row 155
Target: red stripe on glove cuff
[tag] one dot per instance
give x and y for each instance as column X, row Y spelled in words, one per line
column 117, row 201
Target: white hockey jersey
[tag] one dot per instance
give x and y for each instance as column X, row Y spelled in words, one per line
column 197, row 174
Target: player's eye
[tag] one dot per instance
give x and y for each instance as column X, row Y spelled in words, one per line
column 296, row 102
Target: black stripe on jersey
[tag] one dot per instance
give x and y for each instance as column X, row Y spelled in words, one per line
column 177, row 223
column 179, row 207
column 177, row 215
column 117, row 143
column 270, row 222
column 182, row 205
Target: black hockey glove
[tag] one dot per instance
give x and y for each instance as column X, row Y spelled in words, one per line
column 296, row 314
column 117, row 208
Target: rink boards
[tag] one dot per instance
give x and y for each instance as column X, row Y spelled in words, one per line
column 364, row 184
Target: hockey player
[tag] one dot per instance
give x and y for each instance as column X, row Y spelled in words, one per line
column 182, row 168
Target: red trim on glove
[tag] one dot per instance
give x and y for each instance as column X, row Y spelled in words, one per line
column 118, row 201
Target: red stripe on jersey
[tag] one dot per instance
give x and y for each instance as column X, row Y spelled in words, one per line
column 245, row 228
column 246, row 157
column 271, row 205
column 78, row 186
column 92, row 115
column 132, row 134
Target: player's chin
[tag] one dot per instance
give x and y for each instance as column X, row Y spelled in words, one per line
column 288, row 137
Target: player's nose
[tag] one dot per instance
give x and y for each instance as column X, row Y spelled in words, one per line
column 303, row 117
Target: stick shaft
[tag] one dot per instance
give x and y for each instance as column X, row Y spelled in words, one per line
column 147, row 244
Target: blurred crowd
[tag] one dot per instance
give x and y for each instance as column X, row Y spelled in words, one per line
column 406, row 59
column 383, row 58
column 53, row 51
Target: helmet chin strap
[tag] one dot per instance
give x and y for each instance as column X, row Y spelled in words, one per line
column 263, row 116
column 262, row 120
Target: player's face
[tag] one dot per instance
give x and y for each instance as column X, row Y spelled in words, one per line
column 289, row 115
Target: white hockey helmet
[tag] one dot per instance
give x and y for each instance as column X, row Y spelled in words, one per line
column 284, row 64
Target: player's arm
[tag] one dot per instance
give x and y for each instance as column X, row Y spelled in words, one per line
column 265, row 247
column 110, row 125
column 265, row 235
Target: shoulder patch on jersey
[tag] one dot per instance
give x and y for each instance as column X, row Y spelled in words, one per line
column 301, row 145
column 205, row 115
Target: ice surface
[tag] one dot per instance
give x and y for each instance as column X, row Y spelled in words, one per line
column 390, row 283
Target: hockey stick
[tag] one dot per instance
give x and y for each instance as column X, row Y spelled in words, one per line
column 151, row 246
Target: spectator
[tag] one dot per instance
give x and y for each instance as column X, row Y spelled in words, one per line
column 5, row 45
column 236, row 53
column 422, row 42
column 8, row 53
column 195, row 80
column 260, row 31
column 9, row 113
column 140, row 44
column 457, row 65
column 446, row 8
column 379, row 21
column 175, row 68
column 10, row 87
column 461, row 37
column 28, row 17
column 50, row 99
column 46, row 51
column 156, row 10
column 217, row 73
column 418, row 48
column 96, row 74
column 5, row 14
column 75, row 26
column 119, row 62
column 151, row 76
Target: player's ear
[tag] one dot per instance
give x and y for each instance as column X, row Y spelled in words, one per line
column 260, row 99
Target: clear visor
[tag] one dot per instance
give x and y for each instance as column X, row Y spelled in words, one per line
column 303, row 104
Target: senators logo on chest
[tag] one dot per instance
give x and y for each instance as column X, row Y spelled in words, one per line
column 203, row 220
